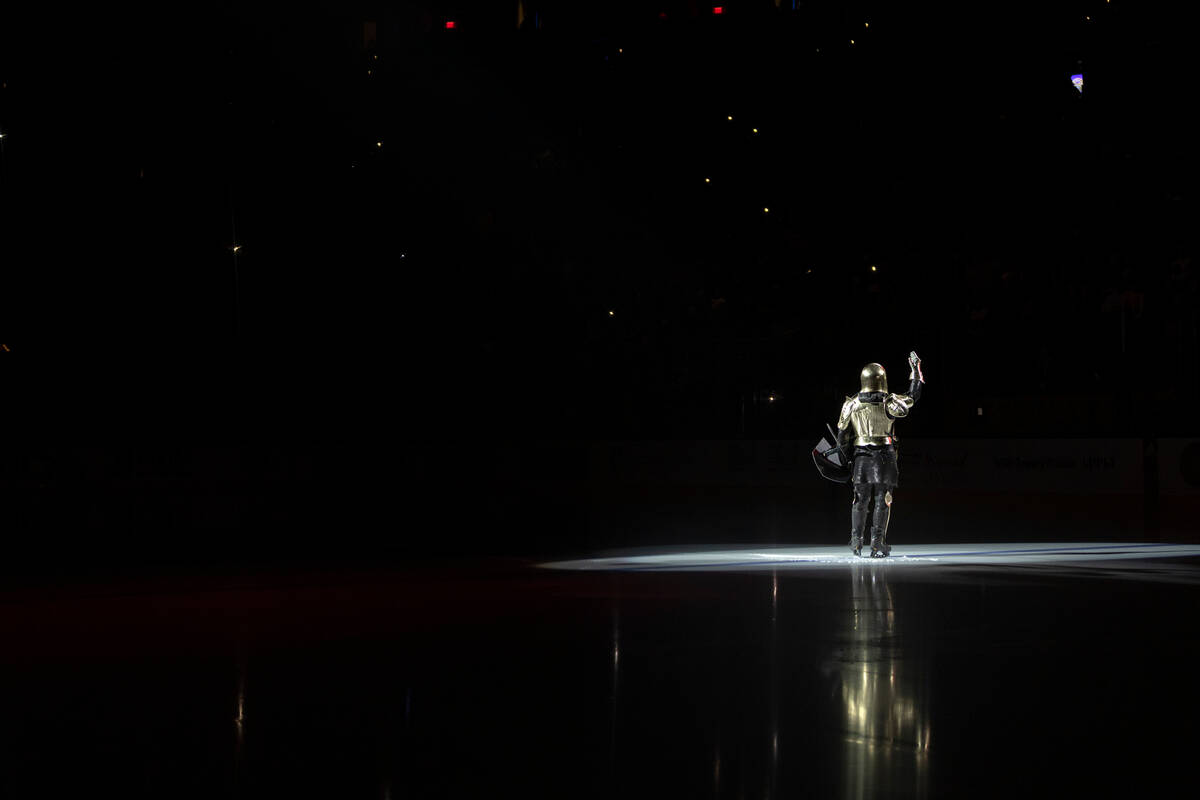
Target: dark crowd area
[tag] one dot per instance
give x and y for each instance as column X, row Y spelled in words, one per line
column 626, row 220
column 328, row 238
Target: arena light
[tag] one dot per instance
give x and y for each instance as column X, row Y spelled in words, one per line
column 450, row 24
column 718, row 9
column 1077, row 82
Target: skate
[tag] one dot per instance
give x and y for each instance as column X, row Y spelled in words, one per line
column 856, row 545
column 880, row 548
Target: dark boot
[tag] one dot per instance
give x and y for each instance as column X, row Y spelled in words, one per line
column 879, row 523
column 858, row 516
column 879, row 546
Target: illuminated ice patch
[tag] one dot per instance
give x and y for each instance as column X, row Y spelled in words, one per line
column 916, row 556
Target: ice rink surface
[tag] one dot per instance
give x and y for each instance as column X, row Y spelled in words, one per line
column 1106, row 558
column 981, row 670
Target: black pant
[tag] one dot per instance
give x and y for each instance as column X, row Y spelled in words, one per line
column 864, row 493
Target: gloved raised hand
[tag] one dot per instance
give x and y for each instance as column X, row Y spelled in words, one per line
column 914, row 365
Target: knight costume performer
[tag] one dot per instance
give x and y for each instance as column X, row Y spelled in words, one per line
column 866, row 432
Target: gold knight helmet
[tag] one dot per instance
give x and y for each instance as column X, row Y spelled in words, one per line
column 873, row 378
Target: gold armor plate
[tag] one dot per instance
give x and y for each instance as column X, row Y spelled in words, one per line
column 874, row 422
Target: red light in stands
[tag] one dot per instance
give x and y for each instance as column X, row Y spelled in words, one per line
column 718, row 9
column 449, row 24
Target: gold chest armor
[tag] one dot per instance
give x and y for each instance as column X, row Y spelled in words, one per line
column 874, row 422
column 872, row 425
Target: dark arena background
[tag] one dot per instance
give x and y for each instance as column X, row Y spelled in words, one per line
column 417, row 399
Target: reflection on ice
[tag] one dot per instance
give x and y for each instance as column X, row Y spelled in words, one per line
column 886, row 731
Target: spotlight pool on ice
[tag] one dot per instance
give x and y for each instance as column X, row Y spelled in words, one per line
column 917, row 556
